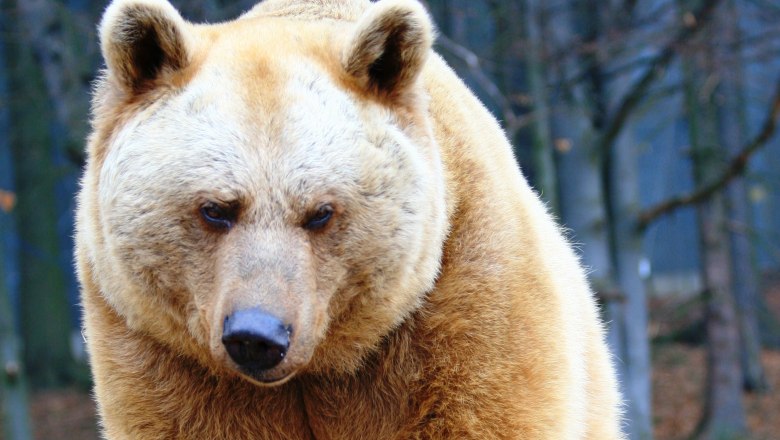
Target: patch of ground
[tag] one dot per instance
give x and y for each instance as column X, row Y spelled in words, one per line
column 64, row 415
column 67, row 414
column 679, row 374
column 679, row 371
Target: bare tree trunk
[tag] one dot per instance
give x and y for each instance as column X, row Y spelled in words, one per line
column 621, row 168
column 731, row 116
column 577, row 118
column 628, row 254
column 55, row 32
column 45, row 310
column 15, row 419
column 724, row 411
column 612, row 176
column 746, row 289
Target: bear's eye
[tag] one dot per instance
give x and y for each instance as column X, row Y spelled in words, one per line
column 320, row 218
column 221, row 217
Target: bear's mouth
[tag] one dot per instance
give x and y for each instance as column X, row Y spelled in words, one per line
column 263, row 378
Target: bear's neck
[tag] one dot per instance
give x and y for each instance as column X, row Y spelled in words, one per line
column 382, row 396
column 162, row 394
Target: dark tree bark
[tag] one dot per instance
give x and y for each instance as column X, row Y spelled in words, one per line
column 732, row 123
column 45, row 309
column 746, row 289
column 579, row 169
column 578, row 116
column 613, row 160
column 747, row 295
column 724, row 409
column 623, row 175
column 55, row 32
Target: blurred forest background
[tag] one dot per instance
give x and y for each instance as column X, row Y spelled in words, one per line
column 648, row 126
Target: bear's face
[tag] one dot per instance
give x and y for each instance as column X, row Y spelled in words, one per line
column 271, row 199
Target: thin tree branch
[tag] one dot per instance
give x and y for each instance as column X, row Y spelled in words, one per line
column 693, row 23
column 736, row 167
column 471, row 60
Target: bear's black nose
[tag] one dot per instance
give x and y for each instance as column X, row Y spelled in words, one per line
column 255, row 340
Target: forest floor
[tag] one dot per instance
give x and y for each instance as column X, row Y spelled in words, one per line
column 678, row 386
column 679, row 372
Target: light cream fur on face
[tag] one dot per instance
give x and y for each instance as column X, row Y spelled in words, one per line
column 399, row 329
column 279, row 153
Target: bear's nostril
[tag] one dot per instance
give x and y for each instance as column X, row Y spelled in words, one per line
column 255, row 353
column 255, row 340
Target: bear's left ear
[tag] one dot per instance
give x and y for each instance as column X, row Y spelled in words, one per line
column 142, row 39
column 389, row 46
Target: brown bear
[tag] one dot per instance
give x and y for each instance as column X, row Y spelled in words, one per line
column 300, row 224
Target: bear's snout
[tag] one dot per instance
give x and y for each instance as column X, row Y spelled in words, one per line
column 255, row 340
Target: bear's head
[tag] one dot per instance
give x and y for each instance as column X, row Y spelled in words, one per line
column 268, row 197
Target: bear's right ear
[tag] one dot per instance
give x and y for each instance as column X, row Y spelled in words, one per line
column 140, row 40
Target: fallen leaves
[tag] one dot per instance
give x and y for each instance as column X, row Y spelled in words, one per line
column 7, row 200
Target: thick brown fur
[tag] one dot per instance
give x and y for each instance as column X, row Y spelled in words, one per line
column 442, row 302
